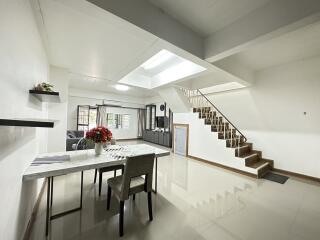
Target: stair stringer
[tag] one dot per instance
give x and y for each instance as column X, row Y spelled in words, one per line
column 205, row 144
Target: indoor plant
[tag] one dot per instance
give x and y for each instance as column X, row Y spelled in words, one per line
column 99, row 135
column 47, row 87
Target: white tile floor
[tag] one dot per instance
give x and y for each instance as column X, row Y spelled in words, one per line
column 195, row 201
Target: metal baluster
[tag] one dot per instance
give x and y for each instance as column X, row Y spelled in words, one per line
column 224, row 130
column 231, row 139
column 239, row 146
column 218, row 124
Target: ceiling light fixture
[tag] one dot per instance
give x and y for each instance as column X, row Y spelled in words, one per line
column 120, row 87
column 157, row 59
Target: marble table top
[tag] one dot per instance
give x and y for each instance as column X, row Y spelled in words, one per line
column 59, row 163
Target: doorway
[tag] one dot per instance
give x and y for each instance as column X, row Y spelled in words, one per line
column 180, row 139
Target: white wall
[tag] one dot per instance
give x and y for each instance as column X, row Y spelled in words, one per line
column 175, row 99
column 92, row 98
column 270, row 113
column 23, row 63
column 59, row 77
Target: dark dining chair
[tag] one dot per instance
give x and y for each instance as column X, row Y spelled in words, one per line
column 137, row 178
column 113, row 168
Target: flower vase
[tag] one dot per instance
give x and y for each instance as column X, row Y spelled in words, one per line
column 98, row 147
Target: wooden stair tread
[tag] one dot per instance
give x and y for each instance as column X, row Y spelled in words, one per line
column 249, row 154
column 246, row 144
column 258, row 164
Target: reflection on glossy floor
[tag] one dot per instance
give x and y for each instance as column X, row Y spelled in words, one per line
column 195, row 201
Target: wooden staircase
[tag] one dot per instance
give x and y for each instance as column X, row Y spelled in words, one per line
column 228, row 132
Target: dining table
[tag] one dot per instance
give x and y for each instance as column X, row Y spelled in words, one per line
column 50, row 165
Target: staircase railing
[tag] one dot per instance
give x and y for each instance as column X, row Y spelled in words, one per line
column 198, row 100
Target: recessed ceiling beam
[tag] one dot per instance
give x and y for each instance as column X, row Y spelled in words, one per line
column 152, row 19
column 275, row 18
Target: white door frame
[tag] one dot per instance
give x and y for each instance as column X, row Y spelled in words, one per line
column 187, row 137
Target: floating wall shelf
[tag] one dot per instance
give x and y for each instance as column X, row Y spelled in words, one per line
column 44, row 123
column 45, row 96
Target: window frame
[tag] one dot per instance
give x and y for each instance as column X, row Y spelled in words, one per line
column 87, row 126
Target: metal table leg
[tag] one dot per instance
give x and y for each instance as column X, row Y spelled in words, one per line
column 156, row 178
column 51, row 190
column 49, row 203
column 71, row 210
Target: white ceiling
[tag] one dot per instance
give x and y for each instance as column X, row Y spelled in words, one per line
column 97, row 84
column 102, row 85
column 300, row 44
column 208, row 16
column 92, row 44
column 90, row 41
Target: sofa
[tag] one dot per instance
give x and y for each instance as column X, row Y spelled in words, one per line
column 73, row 137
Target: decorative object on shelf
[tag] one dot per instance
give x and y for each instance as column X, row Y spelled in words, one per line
column 47, row 87
column 44, row 93
column 100, row 136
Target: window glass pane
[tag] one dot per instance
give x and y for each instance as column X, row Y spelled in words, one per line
column 110, row 120
column 92, row 118
column 118, row 121
column 148, row 118
column 125, row 121
column 153, row 117
column 83, row 115
column 83, row 128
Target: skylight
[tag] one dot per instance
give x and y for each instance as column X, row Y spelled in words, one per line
column 157, row 59
column 162, row 68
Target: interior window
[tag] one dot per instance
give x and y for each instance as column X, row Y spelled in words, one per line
column 118, row 121
column 86, row 117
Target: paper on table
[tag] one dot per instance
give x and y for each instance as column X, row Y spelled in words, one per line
column 50, row 160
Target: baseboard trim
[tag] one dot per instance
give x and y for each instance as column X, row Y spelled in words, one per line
column 34, row 213
column 298, row 175
column 128, row 139
column 223, row 166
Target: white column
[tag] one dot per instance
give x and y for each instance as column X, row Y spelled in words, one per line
column 59, row 77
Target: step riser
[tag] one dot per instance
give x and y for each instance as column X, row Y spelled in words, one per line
column 207, row 115
column 220, row 129
column 252, row 160
column 216, row 124
column 242, row 151
column 201, row 109
column 222, row 135
column 210, row 116
column 263, row 171
column 234, row 143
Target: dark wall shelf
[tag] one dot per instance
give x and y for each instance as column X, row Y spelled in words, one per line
column 45, row 96
column 44, row 123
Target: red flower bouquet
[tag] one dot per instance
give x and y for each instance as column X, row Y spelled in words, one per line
column 99, row 135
